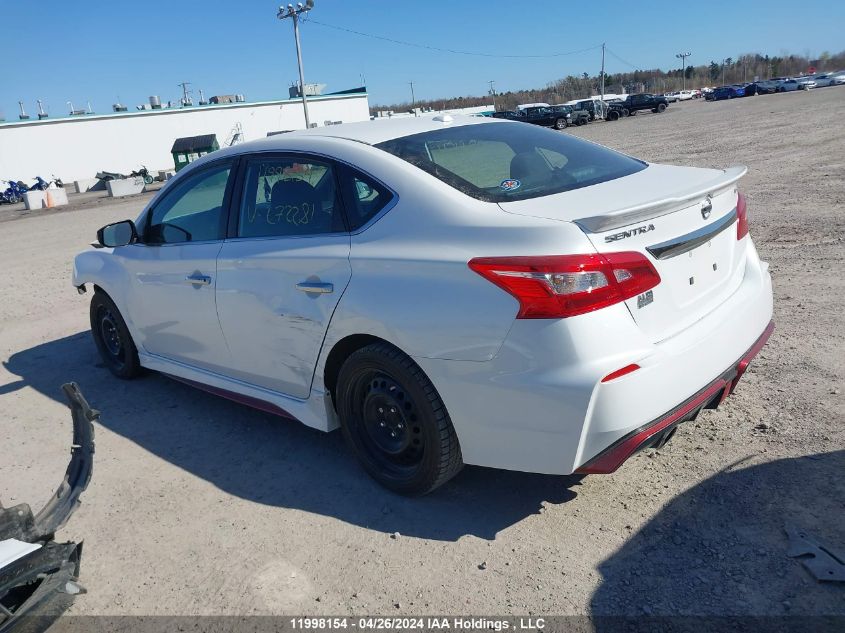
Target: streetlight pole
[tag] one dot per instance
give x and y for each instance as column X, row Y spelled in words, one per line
column 683, row 58
column 413, row 99
column 602, row 80
column 293, row 12
column 493, row 92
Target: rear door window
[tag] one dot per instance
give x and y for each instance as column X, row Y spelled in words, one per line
column 364, row 197
column 289, row 195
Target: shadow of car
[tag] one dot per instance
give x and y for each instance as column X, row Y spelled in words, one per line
column 274, row 461
column 715, row 557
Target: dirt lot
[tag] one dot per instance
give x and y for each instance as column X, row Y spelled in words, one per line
column 201, row 506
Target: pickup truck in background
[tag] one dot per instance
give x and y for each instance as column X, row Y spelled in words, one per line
column 558, row 117
column 634, row 103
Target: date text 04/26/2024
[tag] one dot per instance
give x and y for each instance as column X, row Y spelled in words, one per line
column 417, row 623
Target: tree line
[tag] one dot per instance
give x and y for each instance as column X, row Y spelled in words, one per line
column 744, row 68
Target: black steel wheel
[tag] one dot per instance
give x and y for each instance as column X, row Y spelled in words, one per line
column 613, row 115
column 395, row 422
column 112, row 338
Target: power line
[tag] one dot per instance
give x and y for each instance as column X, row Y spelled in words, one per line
column 449, row 50
column 621, row 60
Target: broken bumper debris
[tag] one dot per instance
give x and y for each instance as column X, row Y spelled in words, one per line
column 38, row 576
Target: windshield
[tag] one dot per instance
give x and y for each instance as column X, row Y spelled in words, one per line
column 504, row 162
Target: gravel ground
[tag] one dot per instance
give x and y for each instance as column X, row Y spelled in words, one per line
column 202, row 506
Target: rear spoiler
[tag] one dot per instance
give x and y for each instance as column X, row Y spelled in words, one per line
column 660, row 206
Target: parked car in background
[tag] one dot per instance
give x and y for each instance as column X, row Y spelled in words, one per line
column 766, row 87
column 750, row 89
column 837, row 79
column 672, row 97
column 588, row 106
column 559, row 117
column 806, row 83
column 724, row 92
column 644, row 101
column 685, row 95
column 445, row 290
column 574, row 117
column 789, row 85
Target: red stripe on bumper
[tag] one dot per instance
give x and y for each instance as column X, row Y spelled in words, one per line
column 613, row 457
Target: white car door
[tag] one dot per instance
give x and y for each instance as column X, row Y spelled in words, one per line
column 172, row 270
column 281, row 275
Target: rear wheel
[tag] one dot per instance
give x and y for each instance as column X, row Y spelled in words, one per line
column 112, row 338
column 395, row 422
column 613, row 115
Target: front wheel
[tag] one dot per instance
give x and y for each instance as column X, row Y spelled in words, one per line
column 613, row 115
column 395, row 422
column 661, row 107
column 560, row 124
column 112, row 338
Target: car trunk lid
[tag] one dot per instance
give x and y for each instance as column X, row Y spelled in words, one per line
column 683, row 219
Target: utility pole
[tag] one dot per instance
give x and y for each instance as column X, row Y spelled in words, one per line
column 293, row 12
column 493, row 92
column 602, row 80
column 683, row 58
column 723, row 72
column 413, row 99
column 186, row 94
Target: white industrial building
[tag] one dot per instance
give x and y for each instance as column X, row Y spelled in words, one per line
column 77, row 147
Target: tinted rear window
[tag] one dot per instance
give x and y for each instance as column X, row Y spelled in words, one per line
column 501, row 162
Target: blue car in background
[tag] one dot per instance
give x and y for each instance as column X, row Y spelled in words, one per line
column 725, row 92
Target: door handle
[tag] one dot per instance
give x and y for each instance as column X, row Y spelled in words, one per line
column 201, row 280
column 320, row 288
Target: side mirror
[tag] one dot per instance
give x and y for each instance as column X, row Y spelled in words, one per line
column 118, row 234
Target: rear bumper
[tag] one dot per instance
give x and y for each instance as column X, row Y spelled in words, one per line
column 540, row 405
column 659, row 430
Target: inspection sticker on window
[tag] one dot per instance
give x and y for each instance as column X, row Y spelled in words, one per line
column 510, row 184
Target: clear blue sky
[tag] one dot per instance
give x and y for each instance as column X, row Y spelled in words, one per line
column 97, row 50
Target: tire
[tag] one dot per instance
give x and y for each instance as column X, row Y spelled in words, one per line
column 661, row 108
column 395, row 422
column 560, row 124
column 112, row 338
column 626, row 112
column 613, row 115
column 148, row 180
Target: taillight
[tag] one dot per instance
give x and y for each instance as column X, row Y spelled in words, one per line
column 559, row 286
column 741, row 217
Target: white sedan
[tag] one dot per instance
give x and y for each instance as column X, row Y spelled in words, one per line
column 446, row 291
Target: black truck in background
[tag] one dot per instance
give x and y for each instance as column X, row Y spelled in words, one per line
column 633, row 103
column 558, row 117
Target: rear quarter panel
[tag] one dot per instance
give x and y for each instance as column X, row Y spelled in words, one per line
column 411, row 284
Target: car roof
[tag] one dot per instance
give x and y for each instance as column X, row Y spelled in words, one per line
column 380, row 130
